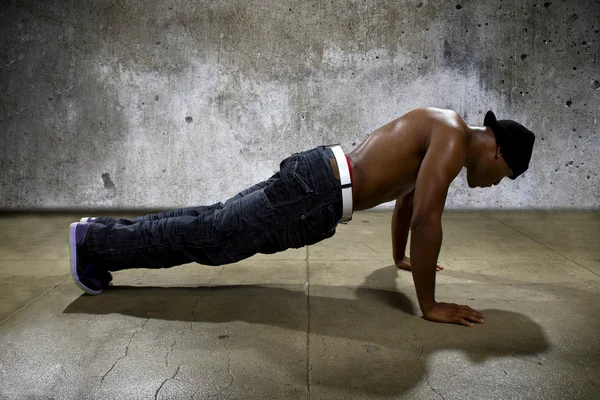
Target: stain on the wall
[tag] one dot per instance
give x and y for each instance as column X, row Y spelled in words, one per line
column 108, row 183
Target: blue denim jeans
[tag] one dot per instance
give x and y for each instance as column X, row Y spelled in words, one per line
column 298, row 206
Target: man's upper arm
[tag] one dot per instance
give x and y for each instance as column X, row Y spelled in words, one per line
column 443, row 161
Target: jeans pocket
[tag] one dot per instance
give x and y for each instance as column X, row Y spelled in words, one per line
column 320, row 224
column 294, row 182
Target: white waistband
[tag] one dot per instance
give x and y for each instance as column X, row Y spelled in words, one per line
column 345, row 180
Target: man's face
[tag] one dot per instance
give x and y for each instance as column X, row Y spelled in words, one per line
column 488, row 171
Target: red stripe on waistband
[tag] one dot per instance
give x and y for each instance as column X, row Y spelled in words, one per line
column 349, row 167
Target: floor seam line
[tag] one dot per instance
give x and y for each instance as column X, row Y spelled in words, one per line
column 32, row 301
column 529, row 237
column 565, row 257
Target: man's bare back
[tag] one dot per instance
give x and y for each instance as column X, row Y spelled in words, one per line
column 386, row 164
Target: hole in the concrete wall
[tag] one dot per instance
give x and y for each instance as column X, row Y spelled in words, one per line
column 108, row 183
column 458, row 6
column 523, row 56
column 547, row 4
column 156, row 97
column 595, row 84
column 189, row 120
column 569, row 103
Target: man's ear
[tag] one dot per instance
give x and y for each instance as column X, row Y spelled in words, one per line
column 498, row 153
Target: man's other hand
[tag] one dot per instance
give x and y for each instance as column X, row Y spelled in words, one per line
column 453, row 314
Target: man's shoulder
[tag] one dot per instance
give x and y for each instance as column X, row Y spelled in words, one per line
column 449, row 136
column 434, row 113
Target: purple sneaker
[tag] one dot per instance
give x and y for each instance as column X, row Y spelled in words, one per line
column 89, row 278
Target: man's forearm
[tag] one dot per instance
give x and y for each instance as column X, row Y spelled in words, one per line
column 426, row 241
column 400, row 227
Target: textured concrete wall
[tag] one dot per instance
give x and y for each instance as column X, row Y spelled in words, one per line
column 145, row 104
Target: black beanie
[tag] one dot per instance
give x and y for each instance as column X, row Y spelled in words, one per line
column 515, row 141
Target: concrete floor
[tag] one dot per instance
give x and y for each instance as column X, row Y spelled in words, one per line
column 332, row 321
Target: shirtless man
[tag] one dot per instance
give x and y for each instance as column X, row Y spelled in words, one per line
column 411, row 160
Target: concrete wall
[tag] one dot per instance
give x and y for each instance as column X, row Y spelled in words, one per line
column 146, row 104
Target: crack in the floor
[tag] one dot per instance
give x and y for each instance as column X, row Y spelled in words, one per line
column 126, row 352
column 218, row 276
column 427, row 373
column 198, row 301
column 167, row 380
column 414, row 333
column 140, row 278
column 172, row 347
column 228, row 362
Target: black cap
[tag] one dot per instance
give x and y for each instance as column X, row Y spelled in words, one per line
column 515, row 141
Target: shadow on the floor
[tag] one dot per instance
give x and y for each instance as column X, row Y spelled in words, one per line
column 387, row 334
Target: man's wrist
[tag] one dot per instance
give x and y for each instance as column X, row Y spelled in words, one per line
column 426, row 307
column 398, row 258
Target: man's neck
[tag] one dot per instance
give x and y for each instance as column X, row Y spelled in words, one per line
column 478, row 139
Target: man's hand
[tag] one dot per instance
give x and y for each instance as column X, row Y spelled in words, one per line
column 454, row 314
column 405, row 265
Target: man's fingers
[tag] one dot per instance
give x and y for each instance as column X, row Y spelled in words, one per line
column 464, row 322
column 474, row 312
column 473, row 318
column 470, row 315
